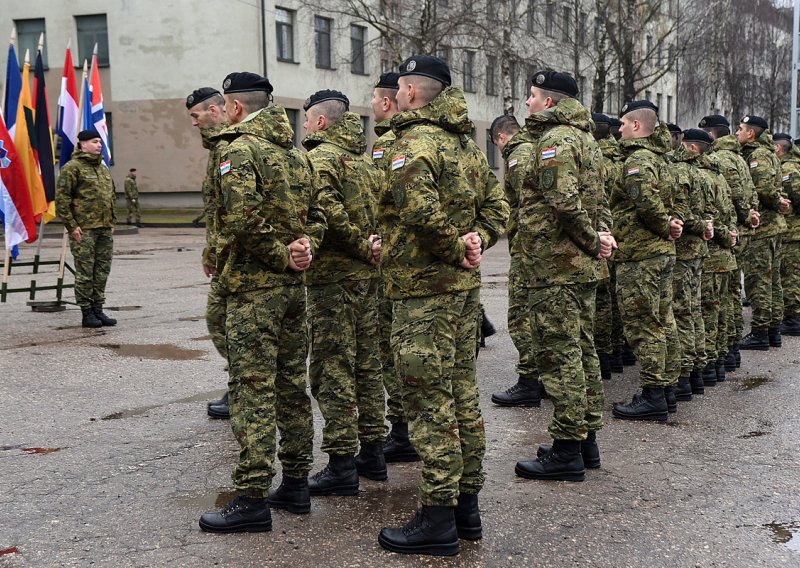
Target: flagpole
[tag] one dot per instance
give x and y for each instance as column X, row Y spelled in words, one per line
column 37, row 256
column 13, row 41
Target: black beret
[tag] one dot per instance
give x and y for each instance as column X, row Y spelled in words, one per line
column 85, row 135
column 782, row 136
column 674, row 128
column 714, row 120
column 388, row 81
column 563, row 83
column 199, row 95
column 636, row 105
column 600, row 118
column 753, row 120
column 615, row 122
column 427, row 66
column 697, row 135
column 245, row 82
column 326, row 95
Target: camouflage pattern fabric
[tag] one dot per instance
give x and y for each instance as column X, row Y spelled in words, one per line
column 132, row 197
column 92, row 266
column 210, row 190
column 736, row 328
column 85, row 195
column 617, row 326
column 790, row 278
column 765, row 171
column 688, row 311
column 715, row 314
column 609, row 335
column 382, row 147
column 604, row 318
column 790, row 250
column 215, row 316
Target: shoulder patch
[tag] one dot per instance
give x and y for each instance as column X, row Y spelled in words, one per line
column 512, row 163
column 398, row 162
column 786, row 177
column 753, row 164
column 633, row 171
column 377, row 153
column 548, row 153
column 225, row 167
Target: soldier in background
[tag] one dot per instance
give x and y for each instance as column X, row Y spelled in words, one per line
column 790, row 254
column 677, row 136
column 132, row 197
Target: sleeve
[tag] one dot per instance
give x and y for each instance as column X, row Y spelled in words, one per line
column 209, row 207
column 641, row 185
column 763, row 176
column 693, row 223
column 493, row 212
column 65, row 192
column 113, row 201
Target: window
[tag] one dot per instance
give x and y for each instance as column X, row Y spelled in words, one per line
column 566, row 28
column 93, row 30
column 390, row 8
column 648, row 95
column 582, row 88
column 611, row 96
column 549, row 16
column 28, row 32
column 598, row 31
column 491, row 150
column 469, row 71
column 293, row 115
column 358, row 36
column 322, row 41
column 364, row 123
column 445, row 52
column 582, row 27
column 284, row 33
column 669, row 108
column 491, row 75
column 648, row 47
column 659, row 101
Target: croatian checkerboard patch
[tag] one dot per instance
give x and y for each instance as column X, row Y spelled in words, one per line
column 512, row 163
column 753, row 164
column 633, row 171
column 786, row 177
column 225, row 167
column 548, row 153
column 377, row 153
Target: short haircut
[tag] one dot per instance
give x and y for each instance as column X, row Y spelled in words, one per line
column 646, row 116
column 215, row 99
column 427, row 88
column 757, row 129
column 391, row 94
column 505, row 123
column 553, row 94
column 132, row 170
column 601, row 130
column 702, row 146
column 718, row 131
column 252, row 100
column 787, row 145
column 333, row 110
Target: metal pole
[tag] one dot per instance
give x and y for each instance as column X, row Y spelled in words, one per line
column 795, row 56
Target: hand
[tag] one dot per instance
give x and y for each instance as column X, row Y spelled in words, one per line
column 675, row 229
column 755, row 218
column 607, row 245
column 734, row 238
column 209, row 270
column 709, row 232
column 300, row 254
column 784, row 206
column 473, row 243
column 471, row 264
column 376, row 249
column 77, row 234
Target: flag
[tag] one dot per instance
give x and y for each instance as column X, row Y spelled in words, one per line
column 98, row 113
column 25, row 145
column 43, row 141
column 13, row 89
column 15, row 200
column 86, row 108
column 68, row 121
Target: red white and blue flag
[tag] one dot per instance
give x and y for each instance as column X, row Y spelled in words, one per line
column 98, row 116
column 68, row 120
column 16, row 211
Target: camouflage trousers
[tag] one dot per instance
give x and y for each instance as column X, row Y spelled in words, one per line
column 433, row 340
column 391, row 382
column 736, row 325
column 716, row 302
column 644, row 293
column 134, row 210
column 790, row 278
column 562, row 330
column 761, row 263
column 688, row 311
column 267, row 348
column 215, row 316
column 345, row 365
column 519, row 322
column 617, row 331
column 604, row 318
column 92, row 266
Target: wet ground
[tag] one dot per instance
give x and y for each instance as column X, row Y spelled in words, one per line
column 108, row 459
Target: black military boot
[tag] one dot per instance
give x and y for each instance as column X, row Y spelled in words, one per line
column 650, row 404
column 562, row 463
column 397, row 447
column 524, row 393
column 104, row 319
column 756, row 340
column 791, row 326
column 590, row 452
column 431, row 531
column 542, row 391
column 628, row 356
column 730, row 361
column 738, row 355
column 243, row 514
column 487, row 329
column 710, row 375
column 218, row 401
column 683, row 392
column 774, row 335
column 370, row 461
column 697, row 383
column 605, row 366
column 617, row 366
column 339, row 477
column 720, row 370
column 671, row 398
column 468, row 517
column 292, row 495
column 90, row 318
column 219, row 409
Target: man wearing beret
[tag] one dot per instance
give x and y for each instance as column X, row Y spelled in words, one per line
column 262, row 251
column 789, row 155
column 761, row 261
column 677, row 136
column 645, row 231
column 206, row 108
column 442, row 208
column 345, row 365
column 132, row 197
column 85, row 201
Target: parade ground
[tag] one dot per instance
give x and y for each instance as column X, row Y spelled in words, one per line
column 107, row 456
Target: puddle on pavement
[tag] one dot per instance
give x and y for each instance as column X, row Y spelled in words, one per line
column 787, row 534
column 155, row 351
column 751, row 383
column 192, row 318
column 206, row 501
column 123, row 308
column 754, row 434
column 141, row 410
column 39, row 450
column 202, row 338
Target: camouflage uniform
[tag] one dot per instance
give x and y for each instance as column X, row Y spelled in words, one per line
column 342, row 289
column 562, row 208
column 761, row 259
column 265, row 188
column 132, row 197
column 86, row 198
column 790, row 261
column 439, row 188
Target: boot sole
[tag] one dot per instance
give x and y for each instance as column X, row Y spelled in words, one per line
column 469, row 533
column 291, row 507
column 218, row 415
column 709, row 383
column 683, row 397
column 552, row 477
column 449, row 549
column 398, row 458
column 521, row 403
column 672, row 409
column 374, row 475
column 743, row 348
column 248, row 527
column 791, row 333
column 341, row 491
column 660, row 417
column 698, row 391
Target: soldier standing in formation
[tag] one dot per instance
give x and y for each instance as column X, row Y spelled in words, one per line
column 132, row 197
column 789, row 155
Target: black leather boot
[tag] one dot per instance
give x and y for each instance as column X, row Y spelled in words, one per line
column 756, row 340
column 720, row 369
column 697, row 383
column 738, row 355
column 671, row 398
column 617, row 366
column 710, row 375
column 90, row 318
column 562, row 463
column 468, row 517
column 431, row 531
column 397, row 447
column 292, row 495
column 524, row 393
column 628, row 356
column 104, row 319
column 590, row 452
column 242, row 514
column 605, row 366
column 339, row 477
column 542, row 391
column 683, row 392
column 370, row 461
column 774, row 335
column 650, row 404
column 791, row 326
column 487, row 329
column 219, row 409
column 730, row 362
column 218, row 401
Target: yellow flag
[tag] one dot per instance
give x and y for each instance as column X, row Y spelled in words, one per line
column 22, row 140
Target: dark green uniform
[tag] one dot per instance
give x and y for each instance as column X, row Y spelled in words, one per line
column 132, row 197
column 790, row 261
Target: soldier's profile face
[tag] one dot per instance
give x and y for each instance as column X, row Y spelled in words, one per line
column 202, row 117
column 536, row 102
column 312, row 121
column 403, row 94
column 628, row 128
column 378, row 104
column 93, row 146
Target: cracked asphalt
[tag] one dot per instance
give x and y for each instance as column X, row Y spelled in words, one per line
column 107, row 457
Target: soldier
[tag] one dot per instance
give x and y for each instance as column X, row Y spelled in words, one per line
column 615, row 126
column 206, row 107
column 761, row 261
column 262, row 251
column 397, row 447
column 442, row 208
column 677, row 136
column 516, row 146
column 790, row 255
column 562, row 232
column 345, row 366
column 85, row 202
column 132, row 197
column 645, row 232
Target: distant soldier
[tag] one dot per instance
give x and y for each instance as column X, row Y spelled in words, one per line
column 132, row 197
column 677, row 135
column 790, row 261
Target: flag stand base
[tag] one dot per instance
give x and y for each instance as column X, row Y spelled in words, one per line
column 47, row 306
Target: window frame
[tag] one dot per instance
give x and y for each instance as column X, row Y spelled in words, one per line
column 279, row 26
column 320, row 34
column 88, row 56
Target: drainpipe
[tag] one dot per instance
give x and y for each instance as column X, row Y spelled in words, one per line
column 263, row 10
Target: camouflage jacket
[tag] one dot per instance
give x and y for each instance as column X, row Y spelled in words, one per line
column 765, row 171
column 215, row 144
column 439, row 187
column 382, row 148
column 131, row 191
column 720, row 253
column 266, row 187
column 517, row 154
column 342, row 214
column 560, row 198
column 642, row 206
column 726, row 151
column 697, row 190
column 790, row 167
column 85, row 195
column 612, row 162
